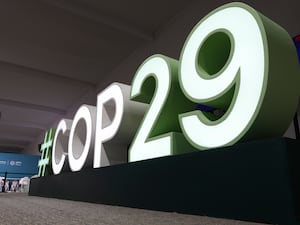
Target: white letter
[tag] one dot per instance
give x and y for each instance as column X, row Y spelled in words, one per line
column 117, row 118
column 81, row 139
column 60, row 145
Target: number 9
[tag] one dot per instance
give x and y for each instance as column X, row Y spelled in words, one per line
column 238, row 60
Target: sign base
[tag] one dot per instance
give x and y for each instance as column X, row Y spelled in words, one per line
column 254, row 181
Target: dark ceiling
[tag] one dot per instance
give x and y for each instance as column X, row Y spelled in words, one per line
column 57, row 54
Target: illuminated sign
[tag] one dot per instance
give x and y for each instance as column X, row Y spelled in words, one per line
column 46, row 147
column 235, row 59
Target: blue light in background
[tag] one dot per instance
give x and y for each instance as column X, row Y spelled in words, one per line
column 296, row 40
column 18, row 165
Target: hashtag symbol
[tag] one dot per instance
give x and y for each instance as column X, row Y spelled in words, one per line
column 46, row 150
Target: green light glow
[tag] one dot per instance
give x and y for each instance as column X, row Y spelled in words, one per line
column 46, row 150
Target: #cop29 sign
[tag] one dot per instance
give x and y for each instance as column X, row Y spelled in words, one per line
column 235, row 59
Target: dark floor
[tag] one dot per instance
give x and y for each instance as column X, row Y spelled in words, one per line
column 19, row 208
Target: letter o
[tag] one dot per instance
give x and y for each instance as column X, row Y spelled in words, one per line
column 81, row 140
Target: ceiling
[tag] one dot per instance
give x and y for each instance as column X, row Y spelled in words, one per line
column 57, row 54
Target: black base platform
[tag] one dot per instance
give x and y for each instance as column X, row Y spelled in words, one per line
column 255, row 181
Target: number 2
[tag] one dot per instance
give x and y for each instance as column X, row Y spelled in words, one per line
column 156, row 80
